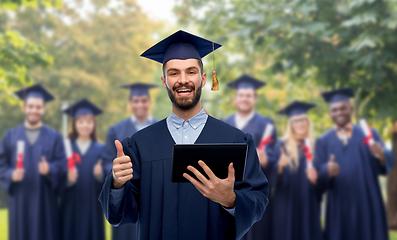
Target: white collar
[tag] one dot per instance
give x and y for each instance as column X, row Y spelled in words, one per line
column 134, row 120
column 241, row 122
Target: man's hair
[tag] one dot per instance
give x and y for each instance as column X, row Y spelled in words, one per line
column 200, row 64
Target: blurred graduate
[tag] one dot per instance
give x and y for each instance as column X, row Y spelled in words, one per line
column 249, row 121
column 32, row 163
column 81, row 213
column 140, row 187
column 296, row 198
column 139, row 104
column 349, row 163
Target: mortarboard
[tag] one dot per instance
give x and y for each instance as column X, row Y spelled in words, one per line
column 296, row 108
column 36, row 91
column 246, row 81
column 82, row 107
column 139, row 89
column 343, row 94
column 182, row 45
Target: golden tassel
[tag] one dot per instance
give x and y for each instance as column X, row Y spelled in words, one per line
column 215, row 82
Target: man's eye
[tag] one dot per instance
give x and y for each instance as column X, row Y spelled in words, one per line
column 191, row 72
column 173, row 74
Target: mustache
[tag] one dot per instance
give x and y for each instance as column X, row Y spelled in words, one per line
column 190, row 86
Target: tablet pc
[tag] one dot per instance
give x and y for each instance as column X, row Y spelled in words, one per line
column 216, row 156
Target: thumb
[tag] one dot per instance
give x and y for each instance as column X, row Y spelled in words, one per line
column 119, row 148
column 332, row 158
column 99, row 162
column 231, row 172
column 43, row 159
column 282, row 151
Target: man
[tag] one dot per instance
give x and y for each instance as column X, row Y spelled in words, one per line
column 140, row 187
column 249, row 121
column 348, row 168
column 32, row 179
column 139, row 104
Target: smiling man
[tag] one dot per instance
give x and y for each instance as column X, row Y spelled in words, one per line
column 348, row 168
column 32, row 186
column 140, row 188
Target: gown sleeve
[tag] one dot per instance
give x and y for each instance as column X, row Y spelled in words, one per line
column 320, row 163
column 251, row 195
column 129, row 206
column 389, row 157
column 58, row 163
column 6, row 167
column 109, row 152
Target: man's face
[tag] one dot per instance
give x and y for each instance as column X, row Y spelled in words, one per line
column 245, row 99
column 341, row 113
column 183, row 81
column 34, row 110
column 140, row 105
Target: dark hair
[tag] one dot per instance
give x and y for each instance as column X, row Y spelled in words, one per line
column 73, row 134
column 200, row 64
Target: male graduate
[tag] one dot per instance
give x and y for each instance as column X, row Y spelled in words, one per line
column 249, row 121
column 348, row 168
column 32, row 163
column 140, row 188
column 139, row 104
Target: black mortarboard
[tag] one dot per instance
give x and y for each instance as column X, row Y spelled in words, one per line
column 246, row 81
column 82, row 107
column 36, row 91
column 343, row 94
column 296, row 108
column 139, row 89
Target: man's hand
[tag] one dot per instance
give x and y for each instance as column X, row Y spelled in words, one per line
column 44, row 168
column 17, row 175
column 378, row 152
column 122, row 167
column 333, row 167
column 98, row 169
column 215, row 189
column 72, row 176
column 262, row 158
column 311, row 174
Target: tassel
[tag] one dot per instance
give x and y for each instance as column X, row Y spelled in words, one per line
column 215, row 83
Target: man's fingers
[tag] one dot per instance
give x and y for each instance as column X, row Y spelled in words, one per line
column 124, row 179
column 198, row 174
column 196, row 183
column 119, row 148
column 206, row 169
column 121, row 167
column 121, row 160
column 123, row 173
column 231, row 172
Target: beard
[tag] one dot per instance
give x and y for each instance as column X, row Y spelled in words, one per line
column 184, row 103
column 33, row 122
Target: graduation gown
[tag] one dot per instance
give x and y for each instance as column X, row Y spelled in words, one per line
column 81, row 213
column 119, row 131
column 33, row 202
column 355, row 209
column 166, row 210
column 256, row 127
column 296, row 202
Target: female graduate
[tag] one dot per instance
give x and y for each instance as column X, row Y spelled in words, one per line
column 296, row 201
column 81, row 212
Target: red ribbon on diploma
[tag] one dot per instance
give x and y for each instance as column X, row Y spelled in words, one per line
column 20, row 161
column 75, row 158
column 369, row 137
column 264, row 142
column 309, row 155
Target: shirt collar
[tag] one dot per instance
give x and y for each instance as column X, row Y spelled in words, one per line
column 348, row 127
column 194, row 122
column 134, row 120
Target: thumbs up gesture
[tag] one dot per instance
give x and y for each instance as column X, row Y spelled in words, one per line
column 44, row 168
column 122, row 167
column 333, row 167
column 98, row 169
column 283, row 161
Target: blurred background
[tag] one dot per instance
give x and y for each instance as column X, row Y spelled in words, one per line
column 88, row 48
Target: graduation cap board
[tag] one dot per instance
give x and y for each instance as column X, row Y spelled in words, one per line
column 216, row 156
column 246, row 81
column 183, row 45
column 35, row 91
column 343, row 94
column 82, row 107
column 296, row 108
column 139, row 89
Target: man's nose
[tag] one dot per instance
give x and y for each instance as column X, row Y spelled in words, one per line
column 183, row 79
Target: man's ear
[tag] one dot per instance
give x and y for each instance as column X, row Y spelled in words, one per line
column 164, row 83
column 204, row 80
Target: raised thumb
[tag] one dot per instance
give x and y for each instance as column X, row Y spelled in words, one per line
column 119, row 148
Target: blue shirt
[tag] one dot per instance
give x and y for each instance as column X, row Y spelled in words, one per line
column 183, row 132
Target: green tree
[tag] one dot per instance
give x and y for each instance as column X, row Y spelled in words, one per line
column 344, row 43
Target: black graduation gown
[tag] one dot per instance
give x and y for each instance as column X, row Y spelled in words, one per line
column 296, row 202
column 33, row 202
column 256, row 126
column 81, row 213
column 119, row 131
column 166, row 210
column 355, row 209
